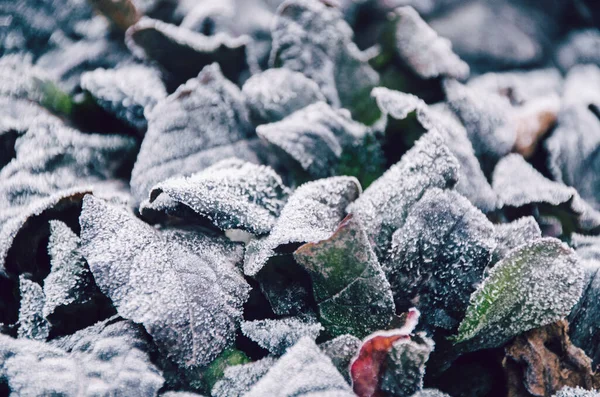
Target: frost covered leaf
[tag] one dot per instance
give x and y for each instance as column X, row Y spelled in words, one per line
column 542, row 361
column 311, row 38
column 430, row 393
column 443, row 238
column 302, row 370
column 239, row 379
column 181, row 300
column 108, row 363
column 324, row 141
column 215, row 370
column 579, row 47
column 341, row 351
column 32, row 324
column 276, row 93
column 311, row 214
column 184, row 53
column 472, row 183
column 122, row 13
column 347, row 280
column 576, row 392
column 72, row 299
column 277, row 336
column 201, row 123
column 369, row 365
column 232, row 194
column 511, row 235
column 126, row 92
column 534, row 285
column 553, row 198
column 420, row 47
column 384, row 206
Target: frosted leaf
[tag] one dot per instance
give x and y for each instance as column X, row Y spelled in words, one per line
column 347, row 280
column 341, row 350
column 513, row 234
column 302, row 370
column 180, row 394
column 311, row 213
column 184, row 53
column 426, row 53
column 232, row 194
column 324, row 141
column 384, row 206
column 72, row 299
column 311, row 38
column 486, row 117
column 532, row 188
column 109, row 363
column 121, row 13
column 430, row 393
column 239, row 379
column 568, row 391
column 126, row 92
column 32, row 324
column 436, row 268
column 472, row 183
column 573, row 158
column 587, row 247
column 150, row 280
column 405, row 367
column 276, row 93
column 201, row 123
column 277, row 336
column 579, row 47
column 534, row 285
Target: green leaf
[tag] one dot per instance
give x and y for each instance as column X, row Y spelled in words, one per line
column 534, row 285
column 348, row 282
column 215, row 370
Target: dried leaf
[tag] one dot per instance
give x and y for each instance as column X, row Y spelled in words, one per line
column 32, row 324
column 239, row 379
column 277, row 336
column 534, row 285
column 122, row 13
column 150, row 280
column 443, row 238
column 303, row 370
column 347, row 280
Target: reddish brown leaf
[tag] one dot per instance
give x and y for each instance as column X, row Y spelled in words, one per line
column 542, row 361
column 532, row 121
column 122, row 13
column 368, row 366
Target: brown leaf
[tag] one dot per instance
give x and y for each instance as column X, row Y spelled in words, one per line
column 532, row 121
column 542, row 361
column 122, row 13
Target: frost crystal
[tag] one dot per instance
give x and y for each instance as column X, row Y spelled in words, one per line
column 341, row 351
column 32, row 324
column 239, row 379
column 232, row 194
column 534, row 285
column 384, row 206
column 126, row 92
column 278, row 335
column 303, row 370
column 204, row 121
column 444, row 238
column 580, row 47
column 426, row 53
column 276, row 93
column 160, row 283
column 511, row 235
column 576, row 392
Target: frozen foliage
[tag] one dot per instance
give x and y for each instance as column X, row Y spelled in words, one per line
column 232, row 194
column 108, row 363
column 341, row 351
column 430, row 393
column 126, row 92
column 535, row 284
column 238, row 379
column 576, row 392
column 32, row 324
column 532, row 188
column 384, row 206
column 277, row 336
column 150, row 280
column 426, row 53
column 311, row 213
column 276, row 93
column 302, row 370
column 312, row 38
column 511, row 235
column 405, row 367
column 204, row 121
column 347, row 280
column 183, row 53
column 579, row 47
column 443, row 238
column 472, row 183
column 324, row 141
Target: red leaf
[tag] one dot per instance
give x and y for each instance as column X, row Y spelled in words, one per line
column 368, row 366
